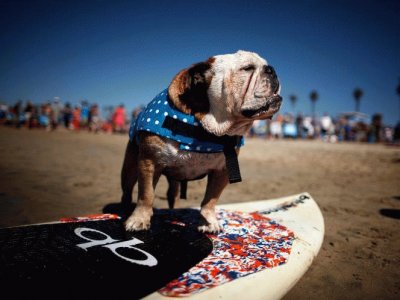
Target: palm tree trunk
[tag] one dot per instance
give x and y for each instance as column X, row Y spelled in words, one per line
column 358, row 105
column 313, row 109
column 399, row 107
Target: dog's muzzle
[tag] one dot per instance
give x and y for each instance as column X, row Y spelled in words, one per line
column 272, row 105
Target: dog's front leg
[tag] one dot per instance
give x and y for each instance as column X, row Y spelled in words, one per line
column 148, row 177
column 217, row 181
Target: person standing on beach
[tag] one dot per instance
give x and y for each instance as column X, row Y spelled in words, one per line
column 84, row 118
column 17, row 113
column 56, row 111
column 76, row 118
column 326, row 126
column 375, row 129
column 119, row 119
column 67, row 115
column 28, row 111
column 94, row 118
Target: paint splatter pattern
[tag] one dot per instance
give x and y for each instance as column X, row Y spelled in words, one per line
column 248, row 243
column 92, row 217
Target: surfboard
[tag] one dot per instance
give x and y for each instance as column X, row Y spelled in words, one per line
column 265, row 247
column 94, row 257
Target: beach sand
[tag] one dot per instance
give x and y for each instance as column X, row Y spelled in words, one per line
column 48, row 175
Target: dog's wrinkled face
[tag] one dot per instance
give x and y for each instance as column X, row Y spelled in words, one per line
column 228, row 92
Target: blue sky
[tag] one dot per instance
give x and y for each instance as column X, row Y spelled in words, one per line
column 113, row 52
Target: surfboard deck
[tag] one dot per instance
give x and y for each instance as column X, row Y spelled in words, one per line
column 298, row 225
column 95, row 258
column 264, row 249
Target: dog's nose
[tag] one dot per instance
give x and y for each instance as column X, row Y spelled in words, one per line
column 270, row 71
column 275, row 86
column 275, row 101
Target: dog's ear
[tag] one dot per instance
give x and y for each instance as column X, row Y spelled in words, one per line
column 188, row 89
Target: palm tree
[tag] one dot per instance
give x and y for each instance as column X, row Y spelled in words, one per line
column 357, row 94
column 293, row 99
column 398, row 93
column 398, row 88
column 314, row 98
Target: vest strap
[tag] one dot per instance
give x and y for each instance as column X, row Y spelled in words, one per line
column 183, row 193
column 228, row 142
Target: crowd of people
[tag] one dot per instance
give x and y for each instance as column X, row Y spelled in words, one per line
column 53, row 114
column 84, row 116
column 351, row 127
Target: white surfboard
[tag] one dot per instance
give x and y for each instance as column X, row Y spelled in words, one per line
column 290, row 233
column 264, row 248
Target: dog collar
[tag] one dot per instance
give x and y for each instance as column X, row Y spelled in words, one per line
column 162, row 118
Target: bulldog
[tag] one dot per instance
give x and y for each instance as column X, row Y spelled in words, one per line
column 222, row 96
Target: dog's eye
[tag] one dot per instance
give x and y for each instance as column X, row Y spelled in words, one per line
column 248, row 68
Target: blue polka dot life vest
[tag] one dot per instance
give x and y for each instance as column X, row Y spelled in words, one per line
column 152, row 118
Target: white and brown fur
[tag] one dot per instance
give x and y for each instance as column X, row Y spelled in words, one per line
column 226, row 94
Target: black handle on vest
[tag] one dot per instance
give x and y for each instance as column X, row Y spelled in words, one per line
column 232, row 164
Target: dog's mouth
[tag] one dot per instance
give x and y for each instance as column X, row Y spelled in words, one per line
column 268, row 110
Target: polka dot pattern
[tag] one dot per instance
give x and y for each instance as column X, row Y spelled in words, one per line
column 152, row 118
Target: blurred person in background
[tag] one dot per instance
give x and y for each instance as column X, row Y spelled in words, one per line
column 276, row 127
column 289, row 127
column 258, row 129
column 34, row 119
column 388, row 134
column 28, row 112
column 76, row 118
column 396, row 133
column 94, row 118
column 136, row 112
column 119, row 119
column 340, row 129
column 44, row 116
column 360, row 132
column 375, row 130
column 17, row 113
column 308, row 128
column 326, row 125
column 3, row 113
column 67, row 115
column 299, row 125
column 84, row 117
column 10, row 116
column 56, row 109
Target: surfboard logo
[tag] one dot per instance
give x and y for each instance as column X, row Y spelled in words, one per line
column 114, row 245
column 286, row 206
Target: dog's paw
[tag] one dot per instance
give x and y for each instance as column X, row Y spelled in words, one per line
column 137, row 223
column 210, row 223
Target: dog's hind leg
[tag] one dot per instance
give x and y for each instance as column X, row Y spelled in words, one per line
column 149, row 172
column 129, row 174
column 148, row 175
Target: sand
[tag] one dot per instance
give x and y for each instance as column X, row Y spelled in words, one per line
column 48, row 175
